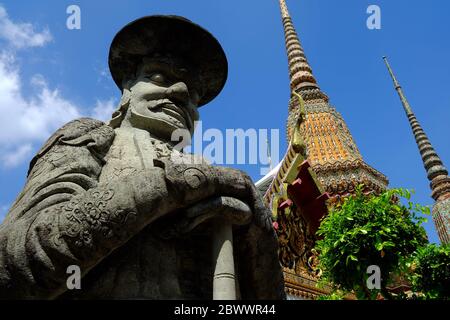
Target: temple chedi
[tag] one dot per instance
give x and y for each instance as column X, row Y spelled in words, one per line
column 322, row 164
column 330, row 148
column 436, row 172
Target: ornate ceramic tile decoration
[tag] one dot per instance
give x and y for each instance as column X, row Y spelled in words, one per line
column 299, row 189
column 329, row 145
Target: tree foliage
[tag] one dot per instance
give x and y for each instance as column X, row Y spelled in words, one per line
column 431, row 272
column 369, row 230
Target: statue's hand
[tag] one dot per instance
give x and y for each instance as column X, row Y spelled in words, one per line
column 228, row 209
column 192, row 183
column 201, row 188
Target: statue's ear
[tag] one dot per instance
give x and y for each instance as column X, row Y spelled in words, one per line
column 120, row 112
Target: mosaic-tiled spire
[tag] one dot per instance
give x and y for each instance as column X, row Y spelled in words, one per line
column 436, row 172
column 301, row 76
column 319, row 131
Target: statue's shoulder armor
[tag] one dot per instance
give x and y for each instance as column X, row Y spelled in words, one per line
column 92, row 133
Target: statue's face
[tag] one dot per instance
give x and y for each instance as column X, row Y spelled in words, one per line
column 162, row 99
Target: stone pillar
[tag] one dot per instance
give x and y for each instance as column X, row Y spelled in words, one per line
column 224, row 279
column 225, row 212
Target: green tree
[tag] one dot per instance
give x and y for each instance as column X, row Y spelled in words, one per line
column 431, row 272
column 369, row 230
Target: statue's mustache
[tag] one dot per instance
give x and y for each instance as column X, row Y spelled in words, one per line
column 158, row 103
column 172, row 109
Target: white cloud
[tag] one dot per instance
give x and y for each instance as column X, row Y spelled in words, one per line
column 27, row 118
column 17, row 156
column 21, row 35
column 26, row 121
column 103, row 74
column 104, row 109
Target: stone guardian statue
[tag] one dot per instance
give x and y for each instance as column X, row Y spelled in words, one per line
column 141, row 219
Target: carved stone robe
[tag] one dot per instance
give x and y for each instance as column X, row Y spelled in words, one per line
column 80, row 207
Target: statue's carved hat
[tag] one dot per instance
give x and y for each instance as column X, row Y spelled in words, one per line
column 174, row 35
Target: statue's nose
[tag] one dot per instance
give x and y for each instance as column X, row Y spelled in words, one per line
column 178, row 92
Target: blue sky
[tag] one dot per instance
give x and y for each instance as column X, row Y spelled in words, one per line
column 50, row 75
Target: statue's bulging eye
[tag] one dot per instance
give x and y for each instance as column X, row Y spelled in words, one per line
column 157, row 78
